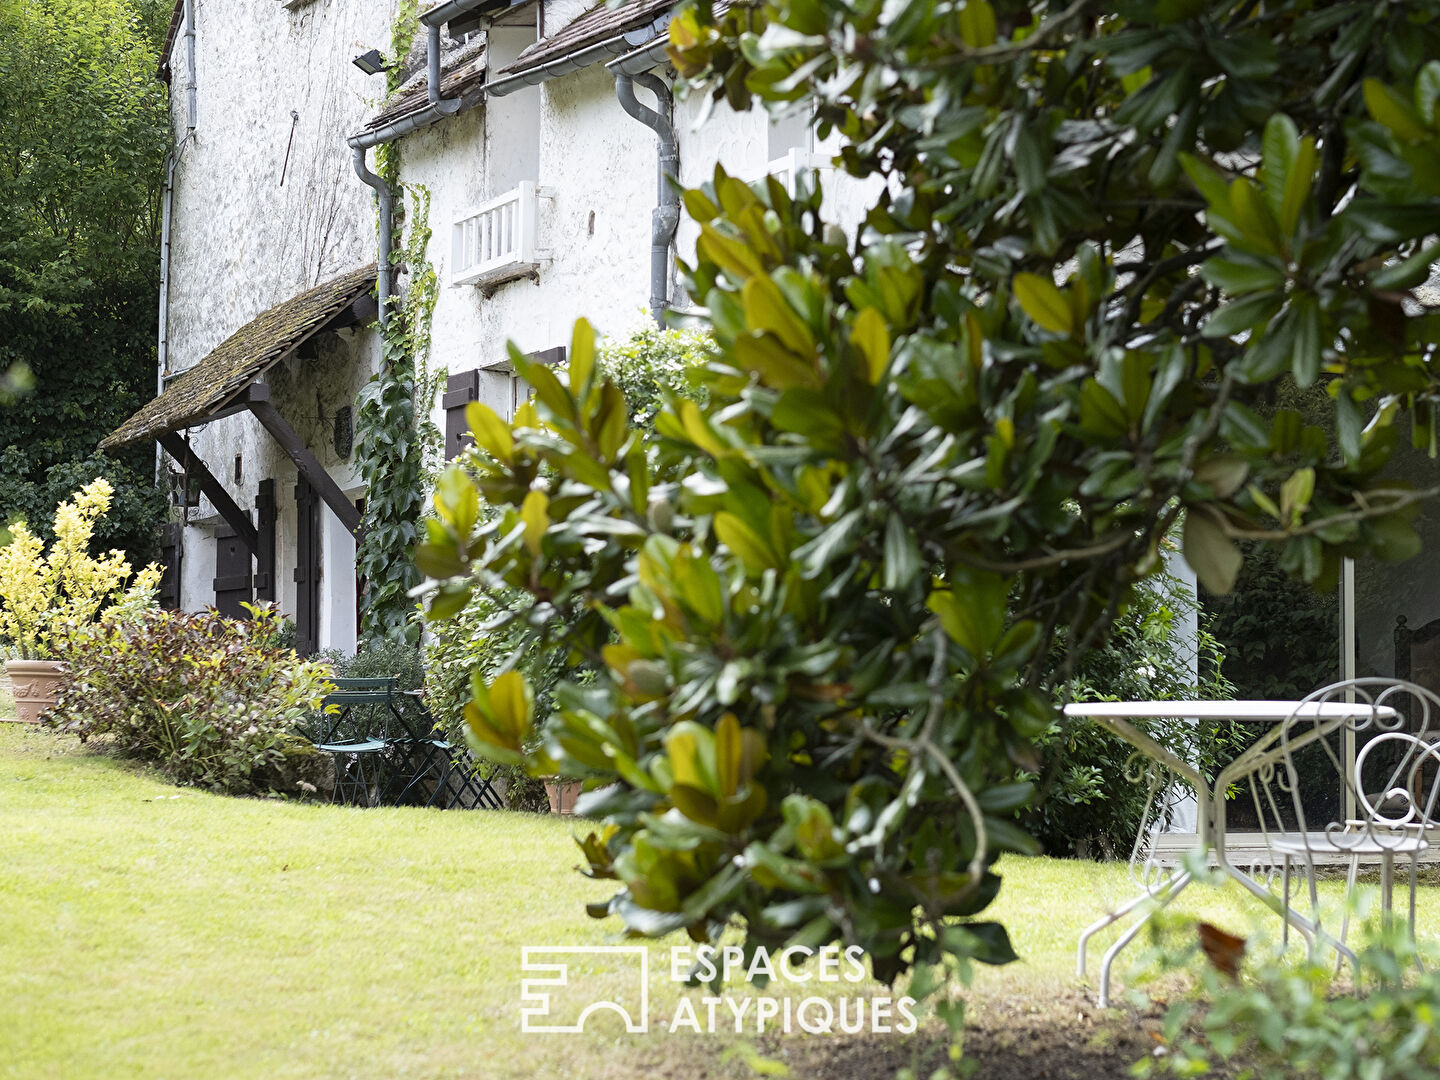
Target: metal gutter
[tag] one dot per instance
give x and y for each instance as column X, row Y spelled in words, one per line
column 618, row 45
column 643, row 59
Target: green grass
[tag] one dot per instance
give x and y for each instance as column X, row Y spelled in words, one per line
column 148, row 930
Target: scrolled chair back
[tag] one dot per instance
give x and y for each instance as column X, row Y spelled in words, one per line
column 1351, row 775
column 1331, row 748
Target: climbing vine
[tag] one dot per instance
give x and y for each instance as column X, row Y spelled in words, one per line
column 398, row 446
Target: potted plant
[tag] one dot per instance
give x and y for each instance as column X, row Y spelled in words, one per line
column 562, row 794
column 47, row 598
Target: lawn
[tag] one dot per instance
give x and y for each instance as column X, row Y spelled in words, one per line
column 148, row 930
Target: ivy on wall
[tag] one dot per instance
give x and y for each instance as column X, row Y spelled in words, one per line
column 398, row 446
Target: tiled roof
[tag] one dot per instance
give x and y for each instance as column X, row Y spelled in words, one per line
column 462, row 75
column 600, row 23
column 205, row 389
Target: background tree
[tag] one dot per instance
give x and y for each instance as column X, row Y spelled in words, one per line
column 816, row 615
column 83, row 136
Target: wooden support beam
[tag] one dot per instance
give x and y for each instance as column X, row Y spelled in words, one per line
column 309, row 467
column 215, row 491
column 239, row 403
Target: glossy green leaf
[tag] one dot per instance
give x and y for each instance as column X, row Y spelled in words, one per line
column 1211, row 554
column 1044, row 303
column 490, row 432
column 582, row 358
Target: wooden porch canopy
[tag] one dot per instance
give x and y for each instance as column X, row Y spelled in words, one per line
column 225, row 383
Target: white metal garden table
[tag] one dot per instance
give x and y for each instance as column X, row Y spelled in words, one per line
column 1161, row 885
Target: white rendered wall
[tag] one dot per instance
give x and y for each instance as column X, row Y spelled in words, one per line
column 242, row 242
column 594, row 232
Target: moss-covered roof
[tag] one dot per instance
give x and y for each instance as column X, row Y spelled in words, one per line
column 203, row 390
column 462, row 76
column 601, row 23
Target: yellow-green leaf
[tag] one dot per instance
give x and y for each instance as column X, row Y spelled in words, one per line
column 691, row 750
column 767, row 309
column 740, row 538
column 1295, row 495
column 1211, row 554
column 582, row 357
column 977, row 24
column 731, row 255
column 1044, row 303
column 491, row 433
column 512, row 705
column 1394, row 112
column 872, row 338
column 535, row 513
column 1297, row 186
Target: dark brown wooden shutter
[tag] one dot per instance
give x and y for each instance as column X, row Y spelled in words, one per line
column 460, row 390
column 171, row 552
column 232, row 574
column 307, row 569
column 265, row 542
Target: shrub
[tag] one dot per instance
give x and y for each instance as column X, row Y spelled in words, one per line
column 651, row 363
column 1085, row 803
column 1299, row 1020
column 204, row 696
column 490, row 635
column 819, row 627
column 484, row 639
column 48, row 598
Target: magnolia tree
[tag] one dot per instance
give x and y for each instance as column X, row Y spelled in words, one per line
column 809, row 625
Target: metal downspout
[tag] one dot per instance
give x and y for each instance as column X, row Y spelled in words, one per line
column 387, row 201
column 172, row 162
column 190, row 98
column 433, row 20
column 432, row 62
column 162, row 369
column 666, row 215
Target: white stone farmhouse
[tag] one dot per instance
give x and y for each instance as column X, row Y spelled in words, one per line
column 538, row 129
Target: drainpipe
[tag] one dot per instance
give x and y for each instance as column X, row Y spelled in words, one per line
column 387, row 205
column 666, row 215
column 172, row 159
column 172, row 162
column 190, row 64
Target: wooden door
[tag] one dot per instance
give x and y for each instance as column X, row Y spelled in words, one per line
column 232, row 574
column 171, row 552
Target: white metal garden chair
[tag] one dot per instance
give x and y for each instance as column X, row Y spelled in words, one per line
column 1331, row 790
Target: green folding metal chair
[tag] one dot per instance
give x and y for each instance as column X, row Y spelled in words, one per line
column 362, row 735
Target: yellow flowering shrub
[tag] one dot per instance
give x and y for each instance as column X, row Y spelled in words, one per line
column 46, row 598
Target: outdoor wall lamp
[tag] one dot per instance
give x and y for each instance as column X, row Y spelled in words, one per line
column 371, row 63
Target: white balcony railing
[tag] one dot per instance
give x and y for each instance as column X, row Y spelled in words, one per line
column 497, row 242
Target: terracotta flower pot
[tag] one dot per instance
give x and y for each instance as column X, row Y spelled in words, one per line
column 562, row 794
column 34, row 683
